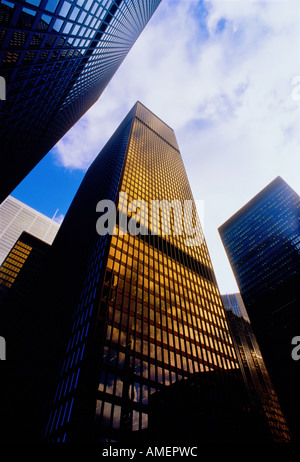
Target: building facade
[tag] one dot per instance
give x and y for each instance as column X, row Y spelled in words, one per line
column 57, row 57
column 144, row 305
column 21, row 379
column 26, row 236
column 24, row 248
column 234, row 303
column 252, row 363
column 262, row 241
column 16, row 217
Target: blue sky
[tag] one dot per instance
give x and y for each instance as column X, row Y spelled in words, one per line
column 223, row 74
column 50, row 187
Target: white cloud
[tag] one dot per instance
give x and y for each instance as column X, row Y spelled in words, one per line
column 220, row 75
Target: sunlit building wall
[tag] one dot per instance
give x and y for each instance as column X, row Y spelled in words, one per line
column 149, row 312
column 57, row 56
column 14, row 262
column 16, row 217
column 262, row 241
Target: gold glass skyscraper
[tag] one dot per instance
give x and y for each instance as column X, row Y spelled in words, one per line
column 149, row 312
column 164, row 313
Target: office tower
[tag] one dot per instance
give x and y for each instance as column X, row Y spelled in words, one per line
column 25, row 239
column 141, row 301
column 16, row 217
column 252, row 363
column 262, row 244
column 28, row 248
column 57, row 57
column 21, row 377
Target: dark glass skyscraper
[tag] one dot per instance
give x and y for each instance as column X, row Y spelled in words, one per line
column 252, row 363
column 57, row 56
column 21, row 377
column 262, row 241
column 141, row 305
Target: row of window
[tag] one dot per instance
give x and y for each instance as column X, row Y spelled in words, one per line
column 13, row 263
column 163, row 320
column 108, row 415
column 155, row 161
column 131, row 256
column 157, row 125
column 82, row 20
column 83, row 313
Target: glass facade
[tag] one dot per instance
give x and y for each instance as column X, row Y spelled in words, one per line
column 13, row 263
column 57, row 56
column 164, row 317
column 147, row 315
column 234, row 303
column 262, row 240
column 20, row 267
column 20, row 326
column 253, row 366
column 262, row 243
column 150, row 312
column 78, row 279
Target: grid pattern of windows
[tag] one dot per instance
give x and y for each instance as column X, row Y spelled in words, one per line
column 57, row 56
column 13, row 264
column 253, row 366
column 107, row 166
column 263, row 240
column 234, row 302
column 18, row 272
column 70, row 372
column 151, row 314
column 16, row 217
column 262, row 244
column 164, row 315
column 21, row 328
column 153, row 164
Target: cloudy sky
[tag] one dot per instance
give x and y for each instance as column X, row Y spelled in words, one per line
column 225, row 75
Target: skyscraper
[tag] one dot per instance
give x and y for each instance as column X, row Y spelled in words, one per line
column 57, row 56
column 252, row 363
column 16, row 217
column 234, row 303
column 262, row 243
column 22, row 379
column 140, row 298
column 26, row 247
